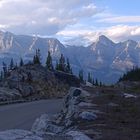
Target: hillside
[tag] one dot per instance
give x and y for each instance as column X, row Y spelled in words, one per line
column 35, row 82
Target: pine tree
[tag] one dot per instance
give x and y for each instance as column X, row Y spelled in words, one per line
column 93, row 82
column 37, row 57
column 81, row 75
column 11, row 64
column 1, row 76
column 71, row 72
column 21, row 62
column 57, row 66
column 34, row 59
column 89, row 78
column 16, row 66
column 5, row 71
column 101, row 84
column 62, row 63
column 49, row 64
column 96, row 83
column 29, row 77
column 68, row 67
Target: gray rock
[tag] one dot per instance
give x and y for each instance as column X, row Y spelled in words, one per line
column 45, row 124
column 9, row 94
column 85, row 104
column 76, row 135
column 90, row 116
column 18, row 135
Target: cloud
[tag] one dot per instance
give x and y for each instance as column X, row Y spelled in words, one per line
column 87, row 36
column 120, row 19
column 44, row 17
column 123, row 32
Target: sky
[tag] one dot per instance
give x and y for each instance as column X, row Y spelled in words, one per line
column 74, row 22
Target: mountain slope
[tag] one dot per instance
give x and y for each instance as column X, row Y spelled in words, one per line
column 104, row 58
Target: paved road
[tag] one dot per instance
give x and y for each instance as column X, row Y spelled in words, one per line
column 22, row 116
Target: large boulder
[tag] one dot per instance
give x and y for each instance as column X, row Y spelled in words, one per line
column 46, row 124
column 72, row 110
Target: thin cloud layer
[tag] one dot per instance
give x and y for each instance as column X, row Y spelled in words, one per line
column 116, row 33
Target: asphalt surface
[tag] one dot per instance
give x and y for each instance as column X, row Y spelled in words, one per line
column 23, row 115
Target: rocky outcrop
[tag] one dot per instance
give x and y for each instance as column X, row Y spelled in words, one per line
column 18, row 135
column 73, row 111
column 9, row 94
column 35, row 81
column 63, row 126
column 66, row 123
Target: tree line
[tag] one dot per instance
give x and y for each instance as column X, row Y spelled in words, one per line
column 90, row 79
column 62, row 65
column 132, row 75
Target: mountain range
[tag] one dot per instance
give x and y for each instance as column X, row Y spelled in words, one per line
column 105, row 59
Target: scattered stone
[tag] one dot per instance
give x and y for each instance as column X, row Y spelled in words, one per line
column 90, row 116
column 88, row 84
column 85, row 104
column 126, row 95
column 78, row 135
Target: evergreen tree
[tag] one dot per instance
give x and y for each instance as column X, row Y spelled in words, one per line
column 68, row 67
column 5, row 71
column 37, row 57
column 89, row 78
column 21, row 62
column 11, row 64
column 1, row 76
column 29, row 77
column 62, row 63
column 93, row 82
column 81, row 75
column 57, row 66
column 49, row 64
column 34, row 59
column 71, row 72
column 16, row 66
column 96, row 83
column 132, row 75
column 101, row 84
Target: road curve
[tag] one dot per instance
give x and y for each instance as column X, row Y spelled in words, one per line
column 22, row 116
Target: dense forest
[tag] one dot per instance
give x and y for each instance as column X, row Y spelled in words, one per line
column 132, row 75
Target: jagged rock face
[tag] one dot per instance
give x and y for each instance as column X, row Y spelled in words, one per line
column 35, row 81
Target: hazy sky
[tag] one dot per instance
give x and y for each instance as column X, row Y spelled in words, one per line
column 72, row 21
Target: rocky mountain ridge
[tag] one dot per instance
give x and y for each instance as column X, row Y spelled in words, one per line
column 105, row 59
